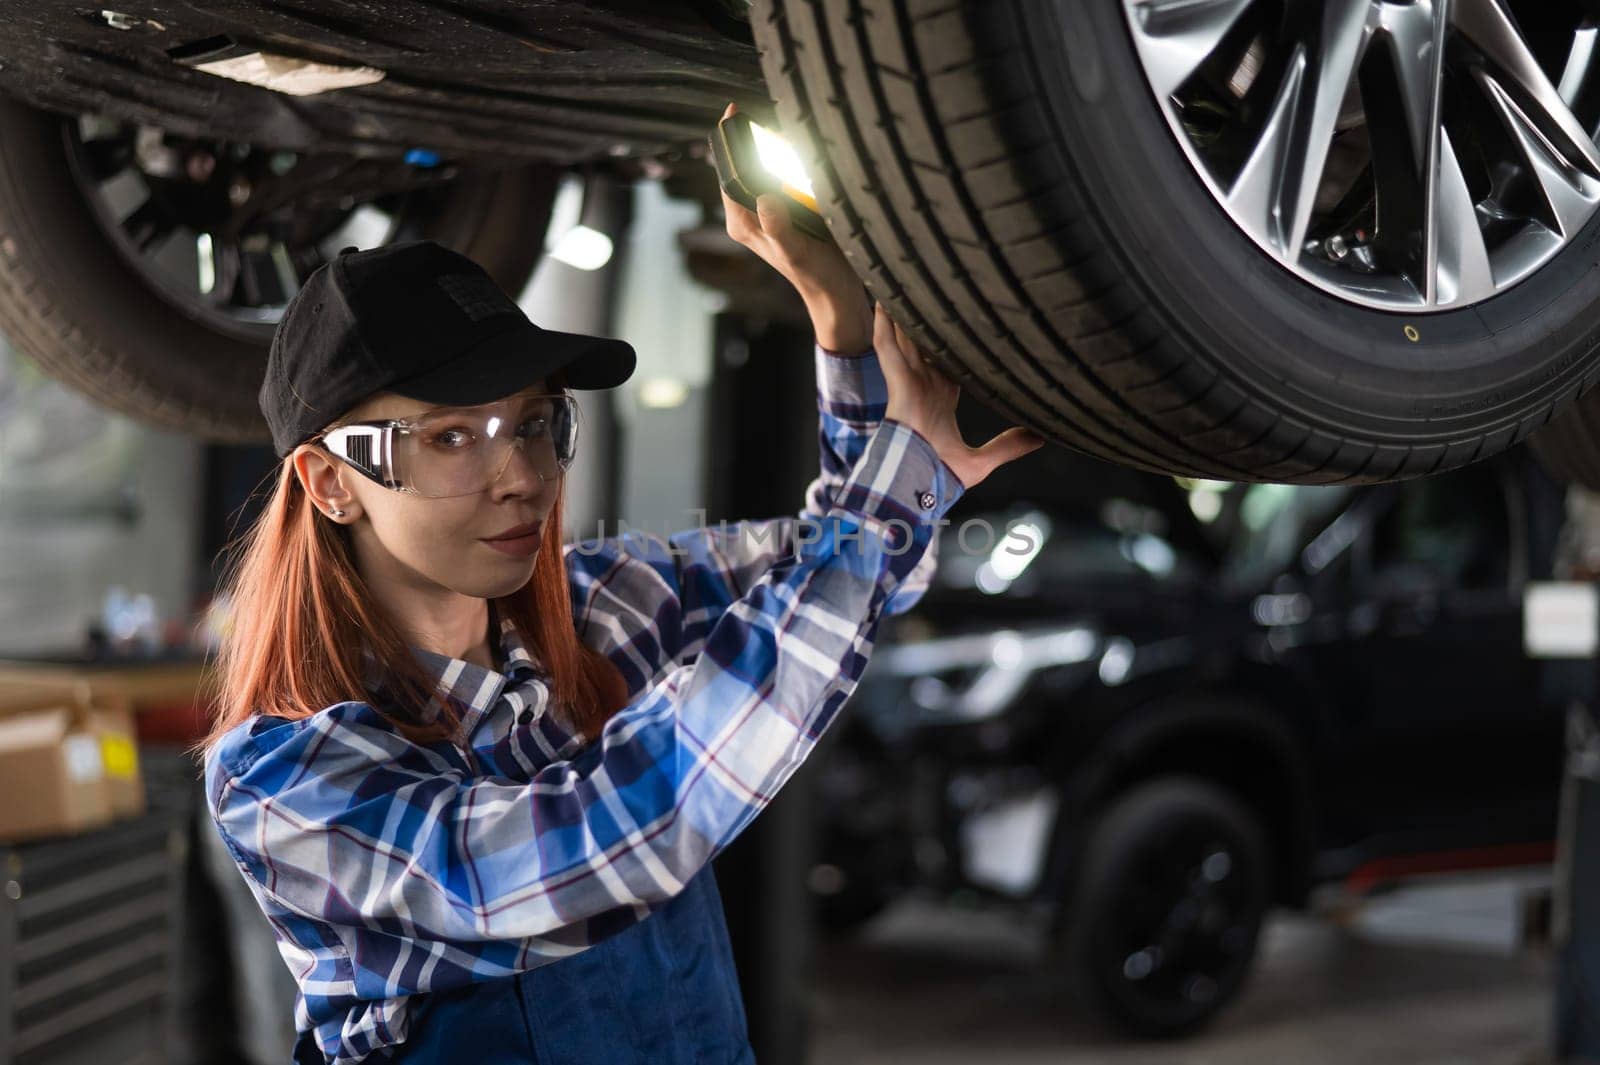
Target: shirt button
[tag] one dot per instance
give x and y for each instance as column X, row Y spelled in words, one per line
column 525, row 717
column 927, row 500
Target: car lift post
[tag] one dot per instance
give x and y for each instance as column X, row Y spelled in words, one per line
column 1561, row 622
column 1576, row 924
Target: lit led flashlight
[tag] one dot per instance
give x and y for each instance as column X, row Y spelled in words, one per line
column 752, row 160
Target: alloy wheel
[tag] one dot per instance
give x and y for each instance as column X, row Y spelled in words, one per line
column 227, row 231
column 1182, row 929
column 1420, row 156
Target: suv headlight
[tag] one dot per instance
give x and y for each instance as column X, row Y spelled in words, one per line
column 976, row 677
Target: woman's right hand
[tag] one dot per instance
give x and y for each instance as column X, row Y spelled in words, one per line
column 921, row 396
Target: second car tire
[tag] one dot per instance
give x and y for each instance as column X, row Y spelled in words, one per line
column 74, row 304
column 1174, row 864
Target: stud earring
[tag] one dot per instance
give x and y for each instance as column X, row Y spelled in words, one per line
column 338, row 513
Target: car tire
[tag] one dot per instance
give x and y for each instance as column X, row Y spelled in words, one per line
column 1136, row 869
column 72, row 302
column 1004, row 182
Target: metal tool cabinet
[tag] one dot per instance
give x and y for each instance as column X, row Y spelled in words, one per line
column 89, row 935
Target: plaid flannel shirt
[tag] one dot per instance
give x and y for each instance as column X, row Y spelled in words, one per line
column 390, row 869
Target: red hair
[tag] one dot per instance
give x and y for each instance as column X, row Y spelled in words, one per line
column 301, row 616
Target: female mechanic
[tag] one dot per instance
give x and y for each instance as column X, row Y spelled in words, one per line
column 475, row 777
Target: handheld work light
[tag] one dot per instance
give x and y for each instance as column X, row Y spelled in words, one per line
column 752, row 160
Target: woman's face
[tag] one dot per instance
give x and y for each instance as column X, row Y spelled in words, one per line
column 433, row 544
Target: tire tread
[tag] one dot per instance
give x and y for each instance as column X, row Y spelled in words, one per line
column 965, row 218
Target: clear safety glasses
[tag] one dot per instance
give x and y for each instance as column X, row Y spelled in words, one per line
column 459, row 451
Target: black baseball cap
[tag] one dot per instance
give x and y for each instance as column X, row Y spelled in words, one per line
column 421, row 320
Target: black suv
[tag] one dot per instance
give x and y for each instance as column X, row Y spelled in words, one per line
column 1158, row 709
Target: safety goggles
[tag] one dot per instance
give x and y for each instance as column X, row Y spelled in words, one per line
column 459, row 451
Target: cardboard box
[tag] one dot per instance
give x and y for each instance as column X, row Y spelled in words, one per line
column 101, row 705
column 96, row 747
column 113, row 727
column 52, row 774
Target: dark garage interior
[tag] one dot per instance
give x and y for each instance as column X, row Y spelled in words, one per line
column 1203, row 741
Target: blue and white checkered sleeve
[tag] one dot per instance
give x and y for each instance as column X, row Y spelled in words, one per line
column 703, row 570
column 852, row 398
column 342, row 820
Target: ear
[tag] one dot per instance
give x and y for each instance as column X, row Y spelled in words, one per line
column 322, row 477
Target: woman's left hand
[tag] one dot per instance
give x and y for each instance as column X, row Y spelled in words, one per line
column 817, row 269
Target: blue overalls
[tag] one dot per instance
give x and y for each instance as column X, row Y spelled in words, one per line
column 661, row 992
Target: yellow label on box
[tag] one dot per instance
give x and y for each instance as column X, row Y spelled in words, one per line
column 121, row 757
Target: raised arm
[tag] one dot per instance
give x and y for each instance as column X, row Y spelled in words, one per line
column 338, row 818
column 693, row 575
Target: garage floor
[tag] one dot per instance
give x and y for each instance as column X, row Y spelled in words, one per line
column 1425, row 977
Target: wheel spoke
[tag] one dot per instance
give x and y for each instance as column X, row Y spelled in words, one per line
column 1569, row 194
column 1176, row 36
column 1417, row 32
column 1458, row 270
column 205, row 259
column 226, row 270
column 288, row 279
column 1277, row 186
column 1487, row 25
column 1141, row 963
column 1454, row 256
column 258, row 276
column 106, row 157
column 1217, row 864
column 1580, row 61
column 147, row 224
